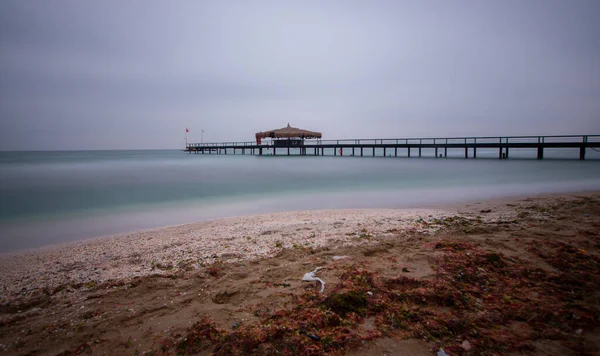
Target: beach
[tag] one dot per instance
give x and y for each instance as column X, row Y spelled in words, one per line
column 153, row 290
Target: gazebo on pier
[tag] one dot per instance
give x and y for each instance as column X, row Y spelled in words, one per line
column 287, row 136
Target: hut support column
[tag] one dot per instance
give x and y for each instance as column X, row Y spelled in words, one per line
column 352, row 151
column 445, row 152
column 474, row 152
column 506, row 155
column 436, row 152
column 395, row 151
column 361, row 151
column 466, row 152
column 540, row 153
column 409, row 152
column 373, row 151
column 582, row 153
column 288, row 151
column 384, row 153
column 419, row 151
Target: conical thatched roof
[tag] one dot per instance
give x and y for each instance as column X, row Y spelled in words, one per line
column 288, row 132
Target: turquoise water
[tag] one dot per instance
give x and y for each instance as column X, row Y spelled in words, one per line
column 51, row 197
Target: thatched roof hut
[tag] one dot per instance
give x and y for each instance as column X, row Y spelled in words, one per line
column 288, row 132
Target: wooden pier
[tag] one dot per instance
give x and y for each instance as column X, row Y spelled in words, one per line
column 414, row 146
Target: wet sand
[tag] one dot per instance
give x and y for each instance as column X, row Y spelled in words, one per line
column 129, row 293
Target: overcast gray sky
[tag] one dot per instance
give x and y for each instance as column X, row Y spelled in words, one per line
column 134, row 74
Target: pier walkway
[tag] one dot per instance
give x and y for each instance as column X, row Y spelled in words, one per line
column 414, row 146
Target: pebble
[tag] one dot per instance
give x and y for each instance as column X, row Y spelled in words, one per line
column 126, row 256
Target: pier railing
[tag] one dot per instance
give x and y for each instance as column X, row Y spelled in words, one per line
column 471, row 140
column 390, row 146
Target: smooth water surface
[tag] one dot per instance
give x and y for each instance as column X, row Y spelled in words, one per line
column 51, row 197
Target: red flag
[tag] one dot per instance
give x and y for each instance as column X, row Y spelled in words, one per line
column 186, row 130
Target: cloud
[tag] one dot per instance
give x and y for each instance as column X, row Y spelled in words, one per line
column 113, row 74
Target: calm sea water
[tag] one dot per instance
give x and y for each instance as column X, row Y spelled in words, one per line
column 52, row 197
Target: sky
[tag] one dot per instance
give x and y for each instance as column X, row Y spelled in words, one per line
column 118, row 74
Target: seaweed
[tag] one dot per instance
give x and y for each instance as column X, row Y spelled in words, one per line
column 496, row 303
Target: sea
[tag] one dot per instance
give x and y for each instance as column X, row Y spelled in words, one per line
column 53, row 197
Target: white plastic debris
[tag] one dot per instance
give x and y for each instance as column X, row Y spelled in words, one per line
column 335, row 258
column 442, row 353
column 466, row 345
column 310, row 276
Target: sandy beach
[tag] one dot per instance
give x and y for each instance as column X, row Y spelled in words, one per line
column 155, row 291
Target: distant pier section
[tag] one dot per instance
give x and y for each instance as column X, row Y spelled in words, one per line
column 296, row 142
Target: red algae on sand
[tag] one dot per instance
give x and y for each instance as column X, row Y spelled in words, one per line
column 479, row 299
column 510, row 278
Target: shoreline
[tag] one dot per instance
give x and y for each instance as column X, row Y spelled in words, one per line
column 32, row 234
column 188, row 246
column 179, row 247
column 439, row 207
column 156, row 284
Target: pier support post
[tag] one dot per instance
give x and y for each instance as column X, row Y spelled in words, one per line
column 335, row 151
column 582, row 153
column 466, row 152
column 384, row 153
column 506, row 154
column 445, row 152
column 540, row 153
column 409, row 152
column 260, row 151
column 288, row 151
column 352, row 151
column 373, row 151
column 500, row 153
column 395, row 151
column 474, row 152
column 361, row 151
column 436, row 152
column 419, row 151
